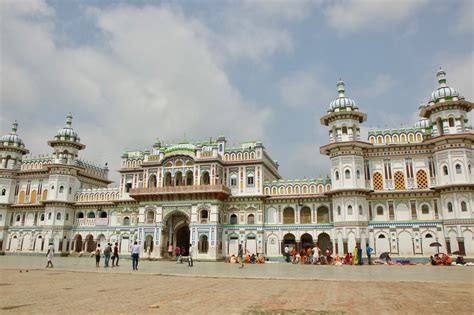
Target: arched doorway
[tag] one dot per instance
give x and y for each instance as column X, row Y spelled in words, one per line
column 178, row 179
column 306, row 241
column 78, row 243
column 324, row 242
column 90, row 246
column 189, row 178
column 288, row 240
column 148, row 244
column 176, row 231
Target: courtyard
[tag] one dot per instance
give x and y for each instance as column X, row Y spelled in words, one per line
column 75, row 285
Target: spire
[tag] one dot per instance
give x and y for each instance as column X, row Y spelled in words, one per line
column 14, row 127
column 69, row 120
column 441, row 77
column 340, row 87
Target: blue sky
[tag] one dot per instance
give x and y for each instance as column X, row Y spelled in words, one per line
column 131, row 71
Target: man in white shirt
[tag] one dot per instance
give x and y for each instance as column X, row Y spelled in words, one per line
column 287, row 253
column 49, row 256
column 316, row 253
column 190, row 258
column 135, row 255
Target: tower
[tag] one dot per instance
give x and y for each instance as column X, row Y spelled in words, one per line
column 345, row 151
column 66, row 144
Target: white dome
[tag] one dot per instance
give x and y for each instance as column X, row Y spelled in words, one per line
column 342, row 102
column 423, row 124
column 67, row 132
column 12, row 139
column 443, row 93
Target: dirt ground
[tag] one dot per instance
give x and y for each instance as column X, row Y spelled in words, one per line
column 55, row 292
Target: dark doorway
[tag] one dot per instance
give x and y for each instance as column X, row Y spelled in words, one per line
column 182, row 239
column 324, row 242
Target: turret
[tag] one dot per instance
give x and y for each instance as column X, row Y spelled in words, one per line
column 66, row 144
column 12, row 149
column 446, row 110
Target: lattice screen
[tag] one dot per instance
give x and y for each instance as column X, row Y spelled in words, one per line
column 377, row 181
column 399, row 180
column 421, row 179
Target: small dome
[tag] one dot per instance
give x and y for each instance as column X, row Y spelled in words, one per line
column 443, row 93
column 67, row 132
column 12, row 139
column 342, row 103
column 423, row 124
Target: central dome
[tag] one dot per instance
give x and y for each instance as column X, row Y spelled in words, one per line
column 342, row 103
column 67, row 132
column 12, row 139
column 443, row 93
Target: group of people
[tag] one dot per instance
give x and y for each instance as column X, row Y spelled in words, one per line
column 314, row 255
column 180, row 253
column 442, row 259
column 109, row 252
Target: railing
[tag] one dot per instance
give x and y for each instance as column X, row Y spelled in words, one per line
column 180, row 190
column 92, row 222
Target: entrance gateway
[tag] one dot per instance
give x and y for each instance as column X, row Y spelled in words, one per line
column 176, row 231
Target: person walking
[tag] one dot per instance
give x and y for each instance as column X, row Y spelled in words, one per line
column 170, row 251
column 97, row 255
column 115, row 256
column 359, row 255
column 190, row 256
column 240, row 256
column 369, row 251
column 49, row 256
column 178, row 254
column 135, row 255
column 107, row 252
column 315, row 254
column 287, row 253
column 355, row 255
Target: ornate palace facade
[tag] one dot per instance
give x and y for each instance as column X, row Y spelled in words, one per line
column 399, row 191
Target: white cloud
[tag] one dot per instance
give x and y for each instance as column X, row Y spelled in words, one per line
column 153, row 74
column 253, row 30
column 349, row 16
column 305, row 89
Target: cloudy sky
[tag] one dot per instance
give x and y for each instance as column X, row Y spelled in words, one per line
column 134, row 71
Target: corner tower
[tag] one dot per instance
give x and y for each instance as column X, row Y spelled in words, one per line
column 66, row 144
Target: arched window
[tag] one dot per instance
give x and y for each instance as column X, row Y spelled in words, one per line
column 451, row 122
column 80, row 215
column 428, row 235
column 233, row 219
column 463, row 206
column 167, row 180
column 126, row 221
column 67, row 216
column 361, row 211
column 61, row 189
column 425, row 209
column 250, row 180
column 450, row 207
column 4, row 192
column 70, row 190
column 458, row 169
column 49, row 215
column 203, row 244
column 337, row 175
column 205, row 179
column 421, row 179
column 189, row 178
column 150, row 216
column 204, row 216
column 344, row 130
column 42, row 217
column 322, row 215
column 250, row 219
column 358, row 174
column 445, row 170
column 347, row 174
column 288, row 216
column 338, row 210
column 103, row 214
column 377, row 181
column 381, row 236
column 379, row 210
column 18, row 218
column 152, row 180
column 178, row 178
column 91, row 215
column 349, row 210
column 58, row 216
column 305, row 215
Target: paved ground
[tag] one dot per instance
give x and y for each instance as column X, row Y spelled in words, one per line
column 91, row 290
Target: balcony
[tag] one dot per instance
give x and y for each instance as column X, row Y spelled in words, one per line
column 92, row 222
column 218, row 191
